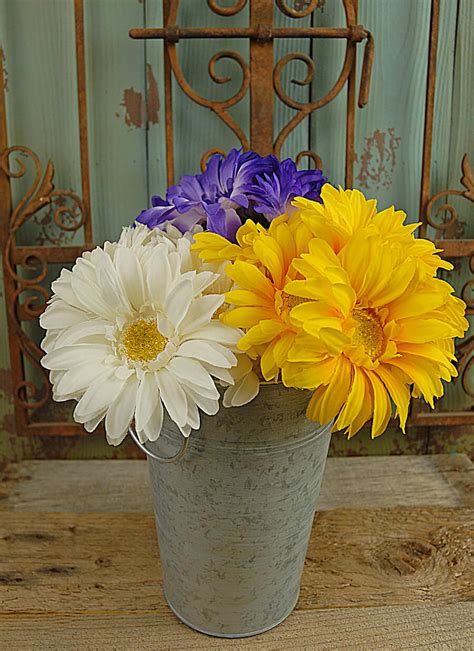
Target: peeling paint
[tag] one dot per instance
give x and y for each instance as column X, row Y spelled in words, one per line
column 378, row 160
column 153, row 100
column 48, row 232
column 134, row 107
column 138, row 111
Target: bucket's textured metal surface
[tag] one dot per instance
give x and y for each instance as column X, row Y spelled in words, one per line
column 235, row 513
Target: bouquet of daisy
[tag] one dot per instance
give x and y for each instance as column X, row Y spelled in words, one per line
column 253, row 272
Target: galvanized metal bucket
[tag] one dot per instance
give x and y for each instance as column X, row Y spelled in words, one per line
column 234, row 512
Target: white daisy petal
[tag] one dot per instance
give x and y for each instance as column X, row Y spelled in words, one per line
column 90, row 425
column 64, row 358
column 207, row 405
column 131, row 277
column 158, row 276
column 245, row 390
column 61, row 315
column 193, row 419
column 200, row 313
column 62, row 289
column 203, row 281
column 206, row 352
column 222, row 374
column 173, row 396
column 177, row 301
column 78, row 378
column 101, row 393
column 192, row 371
column 115, row 441
column 90, row 297
column 147, row 397
column 110, row 286
column 120, row 413
column 152, row 429
column 218, row 332
column 86, row 332
column 185, row 430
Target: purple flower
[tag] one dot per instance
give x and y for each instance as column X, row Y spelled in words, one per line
column 273, row 191
column 231, row 189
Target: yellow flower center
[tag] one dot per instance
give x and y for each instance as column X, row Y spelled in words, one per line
column 285, row 302
column 141, row 341
column 368, row 332
column 289, row 301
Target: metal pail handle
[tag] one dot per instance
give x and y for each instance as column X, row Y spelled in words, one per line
column 157, row 457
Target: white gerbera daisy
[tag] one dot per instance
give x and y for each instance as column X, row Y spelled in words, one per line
column 128, row 333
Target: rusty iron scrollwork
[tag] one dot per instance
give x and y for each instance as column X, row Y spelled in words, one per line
column 255, row 79
column 27, row 267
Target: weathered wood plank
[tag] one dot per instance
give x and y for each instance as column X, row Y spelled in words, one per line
column 116, row 91
column 389, row 132
column 69, row 562
column 461, row 142
column 393, row 627
column 328, row 124
column 443, row 480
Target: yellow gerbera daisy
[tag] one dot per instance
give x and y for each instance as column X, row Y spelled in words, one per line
column 261, row 271
column 345, row 212
column 372, row 325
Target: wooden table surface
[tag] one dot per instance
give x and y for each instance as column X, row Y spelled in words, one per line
column 389, row 562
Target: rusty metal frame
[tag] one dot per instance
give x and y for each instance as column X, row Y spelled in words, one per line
column 25, row 267
column 452, row 248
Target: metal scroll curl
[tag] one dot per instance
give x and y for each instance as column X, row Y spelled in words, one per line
column 453, row 223
column 467, row 181
column 217, row 106
column 310, row 155
column 226, row 11
column 465, row 352
column 28, row 267
column 295, row 12
column 305, row 108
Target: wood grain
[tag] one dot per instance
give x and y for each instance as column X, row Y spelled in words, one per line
column 388, row 628
column 89, row 562
column 443, row 480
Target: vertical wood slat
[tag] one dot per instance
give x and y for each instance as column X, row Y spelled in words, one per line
column 299, row 139
column 195, row 127
column 168, row 90
column 38, row 40
column 389, row 130
column 461, row 141
column 350, row 111
column 261, row 81
column 443, row 99
column 429, row 107
column 16, row 359
column 327, row 124
column 82, row 110
column 117, row 117
column 462, row 132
